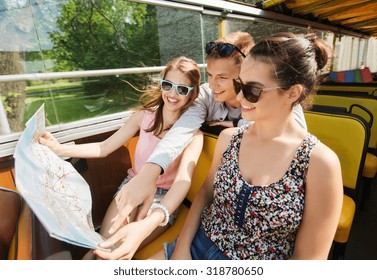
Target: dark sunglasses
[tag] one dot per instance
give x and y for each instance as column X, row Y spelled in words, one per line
column 180, row 89
column 250, row 93
column 223, row 49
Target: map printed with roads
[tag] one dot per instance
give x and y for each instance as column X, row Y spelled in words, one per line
column 57, row 194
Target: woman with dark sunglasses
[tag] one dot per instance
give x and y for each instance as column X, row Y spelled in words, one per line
column 273, row 191
column 161, row 106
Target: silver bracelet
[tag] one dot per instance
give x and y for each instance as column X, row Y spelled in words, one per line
column 166, row 212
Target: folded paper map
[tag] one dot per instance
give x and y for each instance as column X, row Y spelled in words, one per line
column 57, row 194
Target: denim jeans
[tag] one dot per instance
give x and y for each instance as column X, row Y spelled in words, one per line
column 202, row 248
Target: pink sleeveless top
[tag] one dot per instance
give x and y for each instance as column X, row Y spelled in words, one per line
column 144, row 148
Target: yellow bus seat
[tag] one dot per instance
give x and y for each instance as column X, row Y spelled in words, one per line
column 369, row 174
column 351, row 89
column 346, row 219
column 131, row 146
column 347, row 101
column 370, row 165
column 347, row 136
column 199, row 176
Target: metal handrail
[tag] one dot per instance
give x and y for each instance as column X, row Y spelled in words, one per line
column 81, row 74
column 70, row 131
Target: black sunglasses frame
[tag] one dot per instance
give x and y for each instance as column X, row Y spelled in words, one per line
column 223, row 49
column 251, row 93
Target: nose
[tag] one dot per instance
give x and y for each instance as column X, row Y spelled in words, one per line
column 173, row 91
column 212, row 83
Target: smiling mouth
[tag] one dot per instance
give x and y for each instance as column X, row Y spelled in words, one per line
column 247, row 107
column 172, row 100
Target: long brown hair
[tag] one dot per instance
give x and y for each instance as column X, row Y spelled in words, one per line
column 151, row 99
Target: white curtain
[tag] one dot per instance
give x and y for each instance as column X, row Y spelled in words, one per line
column 351, row 53
column 371, row 55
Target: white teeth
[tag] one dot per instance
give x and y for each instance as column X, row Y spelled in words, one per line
column 172, row 100
column 247, row 107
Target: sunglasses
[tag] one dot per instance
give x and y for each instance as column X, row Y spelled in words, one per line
column 180, row 89
column 223, row 49
column 250, row 93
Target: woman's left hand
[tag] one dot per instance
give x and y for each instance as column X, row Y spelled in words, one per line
column 130, row 236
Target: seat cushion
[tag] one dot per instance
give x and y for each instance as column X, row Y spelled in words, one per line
column 370, row 166
column 346, row 219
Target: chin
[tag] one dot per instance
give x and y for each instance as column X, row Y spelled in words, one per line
column 247, row 117
column 218, row 98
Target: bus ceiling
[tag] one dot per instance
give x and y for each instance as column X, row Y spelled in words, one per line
column 357, row 18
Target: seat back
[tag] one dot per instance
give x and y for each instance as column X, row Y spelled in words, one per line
column 369, row 103
column 131, row 146
column 203, row 165
column 348, row 89
column 10, row 210
column 347, row 135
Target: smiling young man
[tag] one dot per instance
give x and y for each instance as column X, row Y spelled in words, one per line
column 216, row 105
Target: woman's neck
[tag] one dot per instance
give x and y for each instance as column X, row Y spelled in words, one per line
column 170, row 117
column 269, row 129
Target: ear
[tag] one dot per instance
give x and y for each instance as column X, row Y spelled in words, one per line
column 294, row 93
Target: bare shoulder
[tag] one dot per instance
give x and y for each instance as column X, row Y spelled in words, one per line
column 138, row 114
column 323, row 157
column 133, row 122
column 324, row 169
column 225, row 136
column 227, row 133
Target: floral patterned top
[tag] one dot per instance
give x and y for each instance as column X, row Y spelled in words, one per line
column 256, row 222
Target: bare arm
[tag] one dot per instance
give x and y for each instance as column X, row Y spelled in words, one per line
column 133, row 234
column 323, row 204
column 96, row 150
column 202, row 199
column 182, row 182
